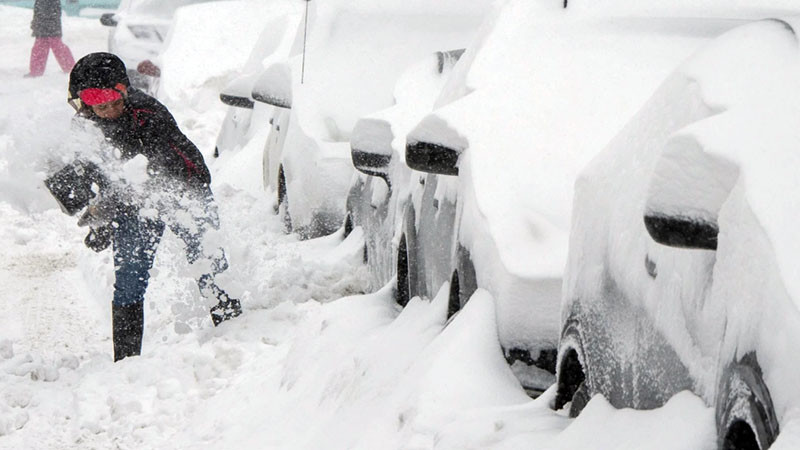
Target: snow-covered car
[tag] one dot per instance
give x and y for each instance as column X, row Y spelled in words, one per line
column 681, row 272
column 309, row 158
column 525, row 109
column 246, row 118
column 138, row 31
column 380, row 192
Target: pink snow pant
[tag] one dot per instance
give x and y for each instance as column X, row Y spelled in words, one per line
column 41, row 48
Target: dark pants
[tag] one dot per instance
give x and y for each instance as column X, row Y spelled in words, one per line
column 136, row 237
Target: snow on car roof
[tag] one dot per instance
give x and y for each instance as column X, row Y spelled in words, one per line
column 552, row 89
column 751, row 78
column 389, row 39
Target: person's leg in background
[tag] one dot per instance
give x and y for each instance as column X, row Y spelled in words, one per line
column 135, row 244
column 63, row 54
column 39, row 52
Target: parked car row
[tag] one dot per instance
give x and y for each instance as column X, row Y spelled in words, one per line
column 466, row 143
column 477, row 193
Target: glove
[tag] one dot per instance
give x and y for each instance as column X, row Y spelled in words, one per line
column 97, row 215
column 98, row 238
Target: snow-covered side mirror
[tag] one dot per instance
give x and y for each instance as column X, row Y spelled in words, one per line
column 237, row 93
column 239, row 102
column 109, row 20
column 371, row 146
column 434, row 146
column 274, row 86
column 372, row 137
column 685, row 195
column 682, row 232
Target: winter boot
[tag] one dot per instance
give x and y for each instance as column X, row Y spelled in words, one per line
column 128, row 327
column 227, row 308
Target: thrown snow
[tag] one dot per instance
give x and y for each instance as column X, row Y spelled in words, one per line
column 311, row 364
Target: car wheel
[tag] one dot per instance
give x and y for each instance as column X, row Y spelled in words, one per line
column 454, row 300
column 403, row 292
column 571, row 373
column 348, row 225
column 745, row 414
column 463, row 283
column 283, row 202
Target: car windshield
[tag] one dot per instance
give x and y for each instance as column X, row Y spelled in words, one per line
column 161, row 8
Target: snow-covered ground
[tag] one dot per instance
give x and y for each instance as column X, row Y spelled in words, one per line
column 311, row 364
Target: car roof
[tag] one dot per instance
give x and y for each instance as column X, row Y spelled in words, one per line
column 328, row 102
column 750, row 78
column 544, row 92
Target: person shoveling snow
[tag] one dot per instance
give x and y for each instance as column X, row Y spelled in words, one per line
column 131, row 208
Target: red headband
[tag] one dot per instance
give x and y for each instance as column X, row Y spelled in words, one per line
column 94, row 96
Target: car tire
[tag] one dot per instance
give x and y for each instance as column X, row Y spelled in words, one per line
column 454, row 301
column 572, row 375
column 283, row 202
column 348, row 225
column 463, row 282
column 745, row 414
column 403, row 291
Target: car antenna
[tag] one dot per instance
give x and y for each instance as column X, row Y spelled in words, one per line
column 305, row 34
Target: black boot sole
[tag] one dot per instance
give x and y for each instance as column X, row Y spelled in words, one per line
column 225, row 311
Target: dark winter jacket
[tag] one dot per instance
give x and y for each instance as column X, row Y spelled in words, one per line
column 46, row 18
column 147, row 128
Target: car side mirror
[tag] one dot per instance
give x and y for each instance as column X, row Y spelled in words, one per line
column 237, row 92
column 371, row 147
column 237, row 101
column 109, row 19
column 682, row 232
column 434, row 147
column 274, row 86
column 686, row 192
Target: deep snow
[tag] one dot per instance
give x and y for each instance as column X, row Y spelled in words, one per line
column 311, row 363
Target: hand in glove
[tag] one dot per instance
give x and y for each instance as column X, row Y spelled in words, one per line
column 97, row 215
column 99, row 238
